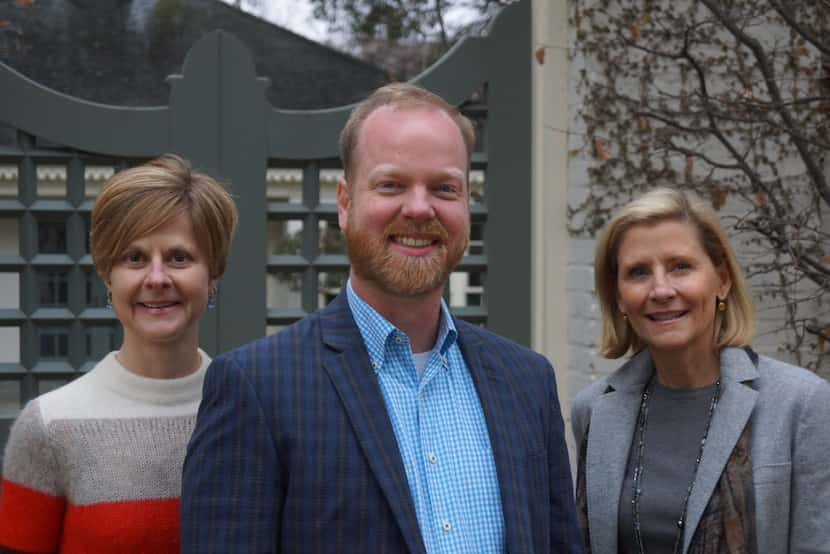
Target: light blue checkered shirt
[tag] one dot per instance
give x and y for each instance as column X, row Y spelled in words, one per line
column 441, row 434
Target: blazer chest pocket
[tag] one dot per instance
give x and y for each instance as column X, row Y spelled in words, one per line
column 771, row 483
column 770, row 474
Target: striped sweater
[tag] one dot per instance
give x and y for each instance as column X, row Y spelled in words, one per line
column 95, row 466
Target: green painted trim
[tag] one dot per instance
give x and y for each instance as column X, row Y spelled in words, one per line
column 85, row 125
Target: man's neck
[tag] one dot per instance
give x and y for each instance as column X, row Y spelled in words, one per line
column 417, row 316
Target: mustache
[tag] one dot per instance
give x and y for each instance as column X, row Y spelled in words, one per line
column 431, row 229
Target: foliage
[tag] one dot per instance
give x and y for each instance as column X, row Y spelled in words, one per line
column 166, row 19
column 403, row 36
column 728, row 98
column 12, row 37
column 254, row 6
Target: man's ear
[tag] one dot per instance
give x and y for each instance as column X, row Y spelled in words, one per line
column 344, row 198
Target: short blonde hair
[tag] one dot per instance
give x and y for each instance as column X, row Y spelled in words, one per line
column 734, row 327
column 403, row 95
column 139, row 200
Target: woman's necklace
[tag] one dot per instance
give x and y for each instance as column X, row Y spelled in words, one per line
column 642, row 422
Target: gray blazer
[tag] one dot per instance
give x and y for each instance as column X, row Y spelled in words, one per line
column 789, row 410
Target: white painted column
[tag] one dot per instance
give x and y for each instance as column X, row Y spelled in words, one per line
column 550, row 187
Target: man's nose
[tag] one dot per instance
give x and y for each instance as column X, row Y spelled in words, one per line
column 418, row 204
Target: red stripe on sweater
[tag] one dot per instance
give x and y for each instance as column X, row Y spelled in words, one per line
column 29, row 519
column 127, row 527
column 35, row 522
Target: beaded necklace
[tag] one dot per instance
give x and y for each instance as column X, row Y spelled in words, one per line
column 642, row 422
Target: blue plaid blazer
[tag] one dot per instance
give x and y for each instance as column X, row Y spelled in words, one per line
column 293, row 449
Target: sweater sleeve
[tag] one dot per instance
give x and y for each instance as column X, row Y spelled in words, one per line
column 31, row 502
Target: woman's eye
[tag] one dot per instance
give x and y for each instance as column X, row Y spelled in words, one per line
column 133, row 257
column 635, row 272
column 447, row 188
column 180, row 257
column 681, row 266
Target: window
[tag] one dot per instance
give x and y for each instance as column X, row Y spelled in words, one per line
column 54, row 342
column 95, row 291
column 53, row 288
column 51, row 236
column 476, row 245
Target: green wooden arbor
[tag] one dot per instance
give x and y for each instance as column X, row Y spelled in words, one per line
column 217, row 116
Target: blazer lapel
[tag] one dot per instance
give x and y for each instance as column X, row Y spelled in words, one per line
column 499, row 404
column 735, row 406
column 610, row 435
column 347, row 364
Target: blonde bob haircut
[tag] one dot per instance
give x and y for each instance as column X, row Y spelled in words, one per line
column 733, row 327
column 139, row 200
column 398, row 95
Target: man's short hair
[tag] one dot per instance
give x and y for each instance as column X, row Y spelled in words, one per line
column 403, row 95
column 139, row 200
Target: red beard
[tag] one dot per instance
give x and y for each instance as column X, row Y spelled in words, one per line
column 398, row 274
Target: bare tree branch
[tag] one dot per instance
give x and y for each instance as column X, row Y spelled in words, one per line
column 787, row 15
column 816, row 172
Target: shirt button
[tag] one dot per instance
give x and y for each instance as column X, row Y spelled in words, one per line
column 398, row 339
column 433, row 459
column 375, row 364
column 446, row 526
column 444, row 360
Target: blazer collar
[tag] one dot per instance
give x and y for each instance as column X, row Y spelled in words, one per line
column 347, row 364
column 634, row 374
column 736, row 365
column 737, row 401
column 614, row 417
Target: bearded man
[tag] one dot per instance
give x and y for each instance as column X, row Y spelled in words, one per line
column 381, row 423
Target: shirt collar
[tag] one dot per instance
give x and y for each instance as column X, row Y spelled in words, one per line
column 376, row 330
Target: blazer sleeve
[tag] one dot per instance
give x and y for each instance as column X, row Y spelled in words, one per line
column 565, row 534
column 809, row 531
column 231, row 488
